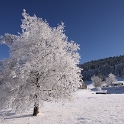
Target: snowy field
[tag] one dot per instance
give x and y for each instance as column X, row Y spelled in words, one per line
column 86, row 108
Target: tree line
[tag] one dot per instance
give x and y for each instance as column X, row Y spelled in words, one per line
column 104, row 67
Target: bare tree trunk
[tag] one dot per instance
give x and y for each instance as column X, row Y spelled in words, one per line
column 36, row 106
column 36, row 110
column 36, row 98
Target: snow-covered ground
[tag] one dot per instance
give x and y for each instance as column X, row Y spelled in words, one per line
column 86, row 108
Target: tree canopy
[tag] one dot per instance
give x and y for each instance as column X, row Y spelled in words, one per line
column 42, row 65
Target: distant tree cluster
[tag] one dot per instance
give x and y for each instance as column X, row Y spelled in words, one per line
column 99, row 82
column 103, row 67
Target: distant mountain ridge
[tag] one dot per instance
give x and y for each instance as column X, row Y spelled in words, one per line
column 104, row 67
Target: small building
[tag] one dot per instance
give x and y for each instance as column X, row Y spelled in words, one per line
column 118, row 83
column 102, row 92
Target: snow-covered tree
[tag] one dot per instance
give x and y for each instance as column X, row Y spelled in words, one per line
column 8, row 83
column 108, row 81
column 111, row 78
column 97, row 82
column 46, row 64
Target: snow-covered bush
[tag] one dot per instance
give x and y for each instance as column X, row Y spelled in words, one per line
column 111, row 78
column 108, row 81
column 45, row 65
column 97, row 82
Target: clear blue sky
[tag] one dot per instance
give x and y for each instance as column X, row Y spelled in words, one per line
column 97, row 25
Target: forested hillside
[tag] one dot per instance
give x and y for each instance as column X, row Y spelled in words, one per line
column 103, row 67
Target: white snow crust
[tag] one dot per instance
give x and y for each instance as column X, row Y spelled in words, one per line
column 85, row 108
